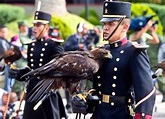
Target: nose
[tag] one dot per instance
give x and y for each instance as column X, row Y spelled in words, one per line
column 105, row 27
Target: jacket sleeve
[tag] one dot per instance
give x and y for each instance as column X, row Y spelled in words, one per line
column 142, row 84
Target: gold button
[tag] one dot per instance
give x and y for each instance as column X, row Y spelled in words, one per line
column 32, row 49
column 33, row 44
column 117, row 59
column 32, row 65
column 31, row 60
column 115, row 69
column 100, row 92
column 40, row 64
column 112, row 103
column 114, row 77
column 99, row 102
column 43, row 49
column 98, row 77
column 113, row 93
column 42, row 39
column 46, row 44
column 42, row 54
column 122, row 51
column 41, row 60
column 99, row 84
column 116, row 45
column 38, row 77
column 31, row 54
column 11, row 46
column 113, row 85
column 143, row 114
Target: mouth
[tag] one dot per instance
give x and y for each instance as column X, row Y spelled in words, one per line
column 105, row 35
column 34, row 33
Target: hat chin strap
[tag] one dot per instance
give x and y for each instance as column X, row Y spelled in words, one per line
column 41, row 32
column 120, row 21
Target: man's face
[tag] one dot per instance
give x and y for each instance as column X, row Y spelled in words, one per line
column 108, row 28
column 84, row 29
column 23, row 28
column 40, row 30
column 4, row 33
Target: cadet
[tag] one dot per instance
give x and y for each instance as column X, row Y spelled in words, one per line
column 40, row 51
column 127, row 73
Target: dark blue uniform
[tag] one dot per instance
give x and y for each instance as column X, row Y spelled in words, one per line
column 41, row 52
column 127, row 71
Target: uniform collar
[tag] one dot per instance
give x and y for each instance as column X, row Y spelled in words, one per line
column 118, row 43
column 43, row 38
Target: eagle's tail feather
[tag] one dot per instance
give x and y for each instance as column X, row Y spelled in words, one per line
column 40, row 90
column 35, row 91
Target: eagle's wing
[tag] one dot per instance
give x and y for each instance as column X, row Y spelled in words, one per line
column 70, row 68
column 61, row 65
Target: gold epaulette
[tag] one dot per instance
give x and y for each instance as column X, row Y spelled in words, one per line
column 56, row 40
column 139, row 46
column 27, row 43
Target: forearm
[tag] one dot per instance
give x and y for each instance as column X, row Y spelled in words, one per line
column 138, row 34
column 155, row 39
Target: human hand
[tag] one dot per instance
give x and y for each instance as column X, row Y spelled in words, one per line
column 18, row 73
column 13, row 73
column 149, row 24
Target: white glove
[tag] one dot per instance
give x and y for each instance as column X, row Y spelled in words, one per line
column 159, row 72
column 2, row 63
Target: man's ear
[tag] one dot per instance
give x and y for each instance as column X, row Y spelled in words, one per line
column 125, row 27
column 47, row 27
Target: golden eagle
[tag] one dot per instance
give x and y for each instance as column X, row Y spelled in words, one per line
column 68, row 67
column 11, row 55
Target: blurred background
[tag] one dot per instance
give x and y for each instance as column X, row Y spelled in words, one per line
column 66, row 14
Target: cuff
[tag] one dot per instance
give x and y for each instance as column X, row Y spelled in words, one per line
column 142, row 116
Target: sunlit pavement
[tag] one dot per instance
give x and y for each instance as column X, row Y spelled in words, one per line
column 159, row 110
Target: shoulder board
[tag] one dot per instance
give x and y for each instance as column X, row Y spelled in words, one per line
column 56, row 40
column 30, row 42
column 139, row 46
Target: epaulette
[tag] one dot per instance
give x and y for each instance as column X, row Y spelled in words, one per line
column 30, row 42
column 57, row 40
column 139, row 46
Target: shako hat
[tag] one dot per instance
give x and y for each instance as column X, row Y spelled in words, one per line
column 42, row 17
column 114, row 10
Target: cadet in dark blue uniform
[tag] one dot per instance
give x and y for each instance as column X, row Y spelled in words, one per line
column 40, row 51
column 127, row 73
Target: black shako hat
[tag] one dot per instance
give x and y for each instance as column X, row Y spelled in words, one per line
column 42, row 17
column 114, row 10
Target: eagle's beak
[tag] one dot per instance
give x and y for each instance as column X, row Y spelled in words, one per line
column 108, row 55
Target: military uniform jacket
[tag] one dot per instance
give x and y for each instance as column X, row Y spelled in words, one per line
column 127, row 71
column 41, row 52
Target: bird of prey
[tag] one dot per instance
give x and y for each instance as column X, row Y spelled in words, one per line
column 68, row 68
column 11, row 55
